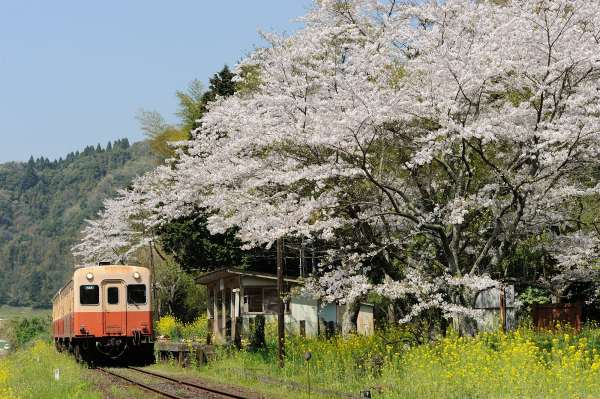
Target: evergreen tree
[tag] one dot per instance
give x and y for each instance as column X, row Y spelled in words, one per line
column 188, row 238
column 221, row 84
column 43, row 205
column 30, row 177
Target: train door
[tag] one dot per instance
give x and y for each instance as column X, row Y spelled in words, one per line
column 114, row 307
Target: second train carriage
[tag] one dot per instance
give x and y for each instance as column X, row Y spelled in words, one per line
column 105, row 311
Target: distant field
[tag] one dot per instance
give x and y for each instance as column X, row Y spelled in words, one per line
column 12, row 312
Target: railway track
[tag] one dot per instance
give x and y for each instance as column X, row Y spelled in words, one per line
column 174, row 385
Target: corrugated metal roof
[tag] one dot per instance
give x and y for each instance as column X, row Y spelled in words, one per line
column 216, row 275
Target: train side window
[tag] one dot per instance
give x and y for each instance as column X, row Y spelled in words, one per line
column 136, row 294
column 113, row 295
column 89, row 295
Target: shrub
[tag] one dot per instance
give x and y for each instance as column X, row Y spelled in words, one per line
column 197, row 330
column 257, row 333
column 29, row 329
column 271, row 332
column 20, row 332
column 169, row 326
column 529, row 297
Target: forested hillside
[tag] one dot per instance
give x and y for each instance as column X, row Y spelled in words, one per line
column 43, row 205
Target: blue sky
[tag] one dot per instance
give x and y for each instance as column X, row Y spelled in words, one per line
column 74, row 73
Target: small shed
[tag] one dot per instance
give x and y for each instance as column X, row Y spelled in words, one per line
column 488, row 301
column 237, row 297
column 365, row 322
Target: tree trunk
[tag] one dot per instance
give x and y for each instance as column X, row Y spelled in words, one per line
column 556, row 295
column 349, row 318
column 443, row 326
column 391, row 313
column 465, row 325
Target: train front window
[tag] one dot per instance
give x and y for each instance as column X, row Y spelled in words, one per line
column 89, row 295
column 113, row 295
column 136, row 294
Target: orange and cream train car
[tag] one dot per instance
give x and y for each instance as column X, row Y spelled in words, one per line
column 105, row 312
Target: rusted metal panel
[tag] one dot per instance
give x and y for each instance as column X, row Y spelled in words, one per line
column 548, row 316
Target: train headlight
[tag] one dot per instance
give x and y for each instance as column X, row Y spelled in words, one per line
column 136, row 275
column 89, row 276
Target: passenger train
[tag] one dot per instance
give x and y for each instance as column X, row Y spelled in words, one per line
column 105, row 312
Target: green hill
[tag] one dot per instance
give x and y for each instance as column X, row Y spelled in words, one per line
column 43, row 205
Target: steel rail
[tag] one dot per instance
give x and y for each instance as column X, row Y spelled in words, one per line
column 139, row 384
column 189, row 384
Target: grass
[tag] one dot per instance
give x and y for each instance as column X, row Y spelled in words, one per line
column 338, row 366
column 30, row 373
column 520, row 364
column 234, row 376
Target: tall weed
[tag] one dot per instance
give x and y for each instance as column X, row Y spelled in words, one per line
column 30, row 373
column 525, row 363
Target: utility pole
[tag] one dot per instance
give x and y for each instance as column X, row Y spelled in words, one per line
column 281, row 307
column 152, row 287
column 502, row 308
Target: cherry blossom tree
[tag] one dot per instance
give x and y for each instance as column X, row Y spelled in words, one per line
column 444, row 133
column 422, row 141
column 106, row 238
column 130, row 221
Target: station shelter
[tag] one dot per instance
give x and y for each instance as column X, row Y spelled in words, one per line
column 236, row 297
